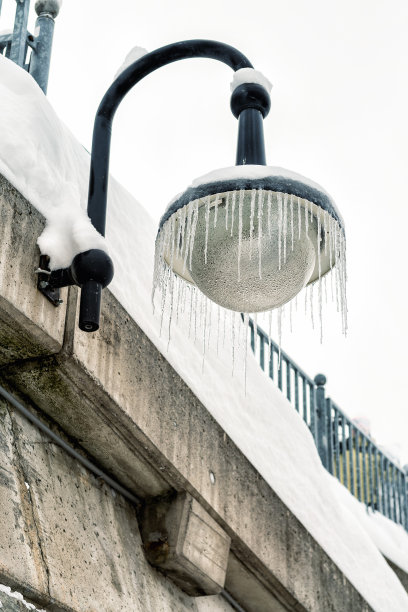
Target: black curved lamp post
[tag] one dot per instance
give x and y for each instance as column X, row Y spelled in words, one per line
column 250, row 103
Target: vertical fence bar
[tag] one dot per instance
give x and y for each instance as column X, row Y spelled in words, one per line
column 357, row 454
column 252, row 326
column 288, row 381
column 329, row 421
column 312, row 402
column 280, row 373
column 296, row 390
column 405, row 493
column 370, row 475
column 351, row 456
column 380, row 482
column 364, row 471
column 271, row 375
column 304, row 400
column 337, row 446
column 321, row 419
column 383, row 484
column 262, row 351
column 18, row 49
column 394, row 493
column 346, row 474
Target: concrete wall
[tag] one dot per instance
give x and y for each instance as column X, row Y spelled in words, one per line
column 119, row 399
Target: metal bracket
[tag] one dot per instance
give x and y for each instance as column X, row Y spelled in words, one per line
column 51, row 293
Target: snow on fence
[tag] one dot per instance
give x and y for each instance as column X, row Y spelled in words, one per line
column 346, row 451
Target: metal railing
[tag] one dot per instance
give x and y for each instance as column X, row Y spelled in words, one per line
column 346, row 451
column 15, row 45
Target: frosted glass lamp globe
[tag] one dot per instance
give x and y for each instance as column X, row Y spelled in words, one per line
column 246, row 271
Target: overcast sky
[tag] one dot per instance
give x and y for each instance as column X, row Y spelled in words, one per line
column 338, row 116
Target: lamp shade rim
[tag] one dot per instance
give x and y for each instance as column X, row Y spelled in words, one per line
column 276, row 183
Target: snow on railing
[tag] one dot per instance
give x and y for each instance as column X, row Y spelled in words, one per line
column 346, row 451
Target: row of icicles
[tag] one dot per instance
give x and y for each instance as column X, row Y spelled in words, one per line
column 180, row 298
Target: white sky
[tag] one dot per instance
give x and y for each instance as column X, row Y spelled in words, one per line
column 338, row 116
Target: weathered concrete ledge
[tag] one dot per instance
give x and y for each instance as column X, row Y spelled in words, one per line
column 67, row 541
column 123, row 402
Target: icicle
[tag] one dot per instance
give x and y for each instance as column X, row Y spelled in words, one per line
column 215, row 213
column 218, row 324
column 209, row 322
column 224, row 326
column 241, row 199
column 233, row 313
column 325, row 287
column 251, row 223
column 226, row 210
column 260, row 211
column 280, row 215
column 234, row 197
column 193, row 228
column 290, row 315
column 285, row 224
column 163, row 300
column 192, row 291
column 270, row 328
column 306, row 293
column 177, row 216
column 311, row 305
column 325, row 225
column 279, row 335
column 173, row 240
column 269, row 214
column 246, row 328
column 306, row 216
column 195, row 315
column 187, row 236
column 291, row 217
column 299, row 218
column 172, row 283
column 207, row 223
column 255, row 320
column 204, row 332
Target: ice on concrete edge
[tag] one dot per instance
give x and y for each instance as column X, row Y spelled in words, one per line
column 16, row 595
column 270, row 433
column 250, row 75
column 134, row 54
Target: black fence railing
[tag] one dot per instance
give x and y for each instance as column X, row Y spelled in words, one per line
column 346, row 451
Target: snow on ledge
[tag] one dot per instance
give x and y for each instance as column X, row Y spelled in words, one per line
column 37, row 155
column 42, row 159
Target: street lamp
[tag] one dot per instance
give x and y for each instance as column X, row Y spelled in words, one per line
column 249, row 237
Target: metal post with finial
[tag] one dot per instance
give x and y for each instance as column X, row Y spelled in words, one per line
column 47, row 11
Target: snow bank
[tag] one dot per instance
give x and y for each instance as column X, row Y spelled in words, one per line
column 390, row 539
column 262, row 423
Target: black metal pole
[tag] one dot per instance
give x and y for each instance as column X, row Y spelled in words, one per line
column 98, row 180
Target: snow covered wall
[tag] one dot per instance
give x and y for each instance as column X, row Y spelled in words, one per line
column 40, row 157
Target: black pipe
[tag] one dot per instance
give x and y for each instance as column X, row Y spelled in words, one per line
column 99, row 171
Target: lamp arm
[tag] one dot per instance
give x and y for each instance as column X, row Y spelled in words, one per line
column 99, row 170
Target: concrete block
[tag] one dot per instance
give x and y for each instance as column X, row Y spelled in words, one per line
column 30, row 326
column 182, row 539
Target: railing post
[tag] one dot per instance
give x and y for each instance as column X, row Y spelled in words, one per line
column 322, row 420
column 47, row 11
column 18, row 49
